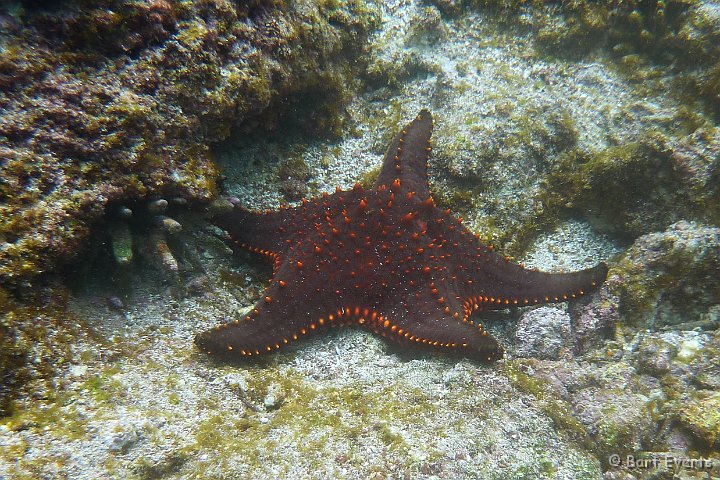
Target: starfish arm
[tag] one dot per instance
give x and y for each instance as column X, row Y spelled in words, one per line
column 407, row 155
column 289, row 309
column 274, row 232
column 490, row 281
column 433, row 319
column 256, row 231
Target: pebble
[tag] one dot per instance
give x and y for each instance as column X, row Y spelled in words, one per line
column 122, row 441
column 157, row 206
column 115, row 303
column 274, row 397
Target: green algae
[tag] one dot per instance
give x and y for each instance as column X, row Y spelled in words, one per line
column 618, row 426
column 629, row 189
column 56, row 415
column 368, row 179
column 639, row 293
column 169, row 465
column 457, row 200
column 293, row 175
column 311, row 418
column 701, row 415
column 104, row 388
column 559, row 411
column 36, row 339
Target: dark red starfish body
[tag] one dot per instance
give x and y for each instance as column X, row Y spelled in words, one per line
column 386, row 259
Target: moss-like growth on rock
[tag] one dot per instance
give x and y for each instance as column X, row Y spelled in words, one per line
column 559, row 411
column 631, row 189
column 701, row 416
column 115, row 101
column 668, row 278
column 313, row 417
column 34, row 343
column 293, row 176
column 12, row 357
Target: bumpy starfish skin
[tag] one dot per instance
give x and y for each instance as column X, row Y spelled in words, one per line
column 386, row 259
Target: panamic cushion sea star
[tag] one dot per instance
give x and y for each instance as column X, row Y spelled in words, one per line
column 386, row 259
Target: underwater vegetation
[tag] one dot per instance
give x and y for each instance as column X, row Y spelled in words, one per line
column 628, row 187
column 118, row 101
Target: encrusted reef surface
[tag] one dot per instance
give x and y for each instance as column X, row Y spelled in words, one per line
column 117, row 100
column 566, row 133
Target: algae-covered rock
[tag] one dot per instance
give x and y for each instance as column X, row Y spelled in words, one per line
column 669, row 278
column 36, row 337
column 654, row 355
column 607, row 406
column 533, row 133
column 115, row 100
column 594, row 323
column 640, row 187
column 702, row 417
column 12, row 357
column 619, row 421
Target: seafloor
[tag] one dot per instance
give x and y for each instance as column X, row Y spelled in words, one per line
column 565, row 134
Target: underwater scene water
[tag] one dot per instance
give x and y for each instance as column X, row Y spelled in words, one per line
column 511, row 207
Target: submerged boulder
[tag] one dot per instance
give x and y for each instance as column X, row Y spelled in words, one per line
column 115, row 101
column 669, row 279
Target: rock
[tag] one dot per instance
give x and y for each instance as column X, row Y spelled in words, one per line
column 198, row 285
column 169, row 79
column 77, row 370
column 458, row 375
column 274, row 397
column 594, row 323
column 115, row 303
column 701, row 415
column 654, row 355
column 122, row 439
column 544, row 333
column 669, row 278
column 618, row 419
column 708, row 374
column 639, row 187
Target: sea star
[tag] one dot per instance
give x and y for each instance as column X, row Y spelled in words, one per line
column 387, row 259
